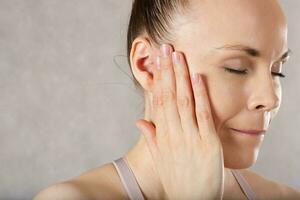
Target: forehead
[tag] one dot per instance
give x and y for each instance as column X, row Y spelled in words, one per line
column 253, row 10
column 256, row 23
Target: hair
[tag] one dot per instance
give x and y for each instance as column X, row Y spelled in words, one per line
column 153, row 17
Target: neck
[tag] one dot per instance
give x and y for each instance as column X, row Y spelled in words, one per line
column 140, row 161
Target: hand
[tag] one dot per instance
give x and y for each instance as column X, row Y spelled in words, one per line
column 183, row 142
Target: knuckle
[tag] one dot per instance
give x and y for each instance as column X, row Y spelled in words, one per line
column 205, row 115
column 157, row 100
column 168, row 95
column 179, row 73
column 165, row 63
column 157, row 76
column 198, row 92
column 184, row 102
column 164, row 66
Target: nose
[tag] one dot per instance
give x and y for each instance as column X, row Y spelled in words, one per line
column 265, row 95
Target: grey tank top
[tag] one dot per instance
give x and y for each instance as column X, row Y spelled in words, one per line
column 134, row 192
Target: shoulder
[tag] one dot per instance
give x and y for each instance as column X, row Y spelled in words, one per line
column 269, row 189
column 99, row 183
column 64, row 190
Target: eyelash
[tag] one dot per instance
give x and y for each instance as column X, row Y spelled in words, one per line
column 244, row 72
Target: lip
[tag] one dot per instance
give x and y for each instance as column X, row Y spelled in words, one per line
column 250, row 132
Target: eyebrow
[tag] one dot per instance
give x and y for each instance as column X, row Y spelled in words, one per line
column 252, row 51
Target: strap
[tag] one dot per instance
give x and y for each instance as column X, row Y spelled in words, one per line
column 247, row 190
column 128, row 179
column 132, row 188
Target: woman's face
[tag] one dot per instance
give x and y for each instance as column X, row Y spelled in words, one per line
column 240, row 101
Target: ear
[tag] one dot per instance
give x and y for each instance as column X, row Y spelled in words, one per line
column 142, row 60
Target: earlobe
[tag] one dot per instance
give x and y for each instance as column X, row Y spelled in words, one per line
column 141, row 60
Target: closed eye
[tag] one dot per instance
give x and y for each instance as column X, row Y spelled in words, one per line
column 244, row 72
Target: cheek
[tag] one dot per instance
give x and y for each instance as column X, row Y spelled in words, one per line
column 227, row 98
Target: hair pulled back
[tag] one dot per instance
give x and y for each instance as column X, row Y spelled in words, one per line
column 153, row 17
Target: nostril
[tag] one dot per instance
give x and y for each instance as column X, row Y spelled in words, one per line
column 258, row 107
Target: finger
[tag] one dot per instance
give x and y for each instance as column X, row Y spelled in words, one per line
column 185, row 101
column 202, row 107
column 168, row 89
column 148, row 131
column 157, row 102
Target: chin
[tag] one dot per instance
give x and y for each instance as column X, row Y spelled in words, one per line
column 240, row 151
column 240, row 159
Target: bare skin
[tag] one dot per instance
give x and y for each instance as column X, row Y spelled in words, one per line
column 256, row 97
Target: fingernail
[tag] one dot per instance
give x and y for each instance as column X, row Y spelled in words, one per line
column 158, row 62
column 166, row 50
column 176, row 57
column 195, row 78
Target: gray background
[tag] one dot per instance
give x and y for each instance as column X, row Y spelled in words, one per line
column 67, row 107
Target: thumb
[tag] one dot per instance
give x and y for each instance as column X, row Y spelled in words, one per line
column 148, row 130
